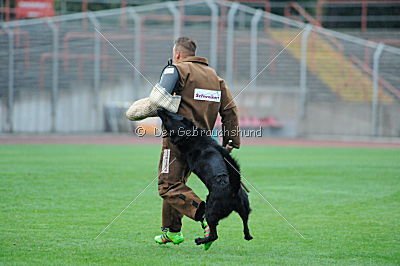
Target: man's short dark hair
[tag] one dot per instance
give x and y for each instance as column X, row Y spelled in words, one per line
column 186, row 44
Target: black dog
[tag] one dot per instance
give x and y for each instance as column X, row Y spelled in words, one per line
column 215, row 168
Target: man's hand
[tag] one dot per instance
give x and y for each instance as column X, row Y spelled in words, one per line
column 229, row 146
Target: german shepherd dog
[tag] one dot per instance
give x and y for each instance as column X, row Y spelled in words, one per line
column 216, row 169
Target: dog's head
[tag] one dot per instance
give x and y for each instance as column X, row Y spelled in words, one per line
column 177, row 127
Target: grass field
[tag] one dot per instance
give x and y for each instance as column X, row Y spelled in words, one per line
column 55, row 199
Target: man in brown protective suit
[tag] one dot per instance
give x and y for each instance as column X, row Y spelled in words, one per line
column 203, row 95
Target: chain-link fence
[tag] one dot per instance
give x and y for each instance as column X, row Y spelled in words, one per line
column 73, row 73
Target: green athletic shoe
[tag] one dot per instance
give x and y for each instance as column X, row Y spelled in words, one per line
column 206, row 228
column 175, row 238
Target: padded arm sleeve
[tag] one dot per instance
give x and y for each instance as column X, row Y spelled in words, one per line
column 169, row 78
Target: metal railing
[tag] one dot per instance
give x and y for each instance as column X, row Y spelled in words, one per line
column 67, row 73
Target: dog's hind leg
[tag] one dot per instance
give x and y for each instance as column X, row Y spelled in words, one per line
column 244, row 211
column 245, row 218
column 213, row 233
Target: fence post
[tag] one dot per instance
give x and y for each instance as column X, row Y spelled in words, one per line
column 137, row 44
column 54, row 90
column 229, row 43
column 254, row 44
column 214, row 33
column 10, row 92
column 64, row 7
column 303, row 71
column 97, row 58
column 177, row 19
column 375, row 81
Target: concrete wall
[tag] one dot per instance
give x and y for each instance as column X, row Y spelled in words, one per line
column 77, row 111
column 76, row 108
column 349, row 119
column 321, row 117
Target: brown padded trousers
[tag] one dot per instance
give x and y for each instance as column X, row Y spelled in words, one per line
column 197, row 82
column 178, row 198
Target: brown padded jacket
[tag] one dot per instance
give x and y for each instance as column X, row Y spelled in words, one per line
column 204, row 95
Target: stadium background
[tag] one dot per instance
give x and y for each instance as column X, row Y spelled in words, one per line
column 60, row 75
column 328, row 106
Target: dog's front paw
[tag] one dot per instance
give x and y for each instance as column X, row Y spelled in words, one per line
column 198, row 241
column 248, row 237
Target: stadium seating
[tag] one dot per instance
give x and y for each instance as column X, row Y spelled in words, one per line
column 326, row 58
